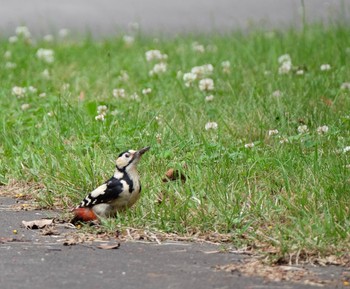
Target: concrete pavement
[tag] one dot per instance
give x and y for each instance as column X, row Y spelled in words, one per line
column 37, row 262
column 108, row 17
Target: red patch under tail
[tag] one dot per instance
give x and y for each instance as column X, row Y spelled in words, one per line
column 83, row 215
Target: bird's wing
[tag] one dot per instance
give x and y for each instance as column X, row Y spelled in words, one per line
column 105, row 193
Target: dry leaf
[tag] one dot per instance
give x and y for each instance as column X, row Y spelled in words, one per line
column 109, row 246
column 6, row 240
column 37, row 224
column 48, row 231
column 172, row 175
column 70, row 242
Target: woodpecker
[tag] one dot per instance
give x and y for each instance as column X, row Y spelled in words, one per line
column 121, row 191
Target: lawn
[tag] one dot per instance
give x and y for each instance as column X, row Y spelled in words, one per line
column 258, row 123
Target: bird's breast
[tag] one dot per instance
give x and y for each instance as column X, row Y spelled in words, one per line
column 130, row 193
column 135, row 195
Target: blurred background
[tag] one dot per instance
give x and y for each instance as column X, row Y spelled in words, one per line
column 108, row 17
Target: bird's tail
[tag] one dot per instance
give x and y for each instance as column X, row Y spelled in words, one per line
column 83, row 215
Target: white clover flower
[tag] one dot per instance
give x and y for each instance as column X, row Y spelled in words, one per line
column 189, row 78
column 46, row 55
column 18, row 91
column 63, row 33
column 322, row 129
column 102, row 109
column 206, row 84
column 10, row 65
column 209, row 98
column 346, row 149
column 100, row 117
column 50, row 114
column 299, row 72
column 8, row 54
column 272, row 132
column 285, row 67
column 277, row 93
column 201, row 71
column 146, row 91
column 284, row 140
column 43, row 94
column 286, row 64
column 345, row 85
column 23, row 31
column 325, row 67
column 155, row 55
column 284, row 58
column 159, row 137
column 13, row 39
column 119, row 93
column 135, row 96
column 25, row 106
column 159, row 119
column 128, row 40
column 198, row 47
column 32, row 89
column 303, row 129
column 48, row 38
column 124, row 76
column 226, row 66
column 45, row 74
column 211, row 125
column 249, row 145
column 158, row 68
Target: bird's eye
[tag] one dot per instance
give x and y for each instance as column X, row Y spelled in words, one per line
column 127, row 155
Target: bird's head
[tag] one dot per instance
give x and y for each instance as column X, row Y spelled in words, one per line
column 129, row 159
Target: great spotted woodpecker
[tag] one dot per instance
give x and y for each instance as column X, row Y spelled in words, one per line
column 121, row 191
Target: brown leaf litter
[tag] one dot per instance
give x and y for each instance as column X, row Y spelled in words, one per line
column 132, row 234
column 84, row 238
column 276, row 273
column 23, row 192
column 20, row 189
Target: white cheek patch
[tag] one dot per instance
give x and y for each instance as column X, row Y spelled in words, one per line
column 121, row 162
column 99, row 191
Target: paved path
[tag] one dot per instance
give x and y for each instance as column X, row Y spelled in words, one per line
column 41, row 262
column 106, row 17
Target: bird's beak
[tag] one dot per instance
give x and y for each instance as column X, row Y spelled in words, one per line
column 140, row 152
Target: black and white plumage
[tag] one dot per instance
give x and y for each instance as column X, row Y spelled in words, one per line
column 121, row 191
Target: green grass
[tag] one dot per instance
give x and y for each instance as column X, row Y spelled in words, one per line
column 293, row 195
